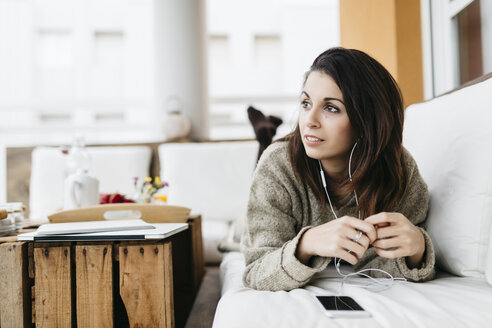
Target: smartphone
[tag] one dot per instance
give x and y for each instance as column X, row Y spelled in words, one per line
column 342, row 306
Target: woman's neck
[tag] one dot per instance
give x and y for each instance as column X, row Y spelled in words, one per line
column 336, row 175
column 335, row 172
column 335, row 190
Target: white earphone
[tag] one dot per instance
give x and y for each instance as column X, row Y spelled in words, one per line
column 376, row 284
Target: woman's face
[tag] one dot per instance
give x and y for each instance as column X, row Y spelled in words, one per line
column 325, row 127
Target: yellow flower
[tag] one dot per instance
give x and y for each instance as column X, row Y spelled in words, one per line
column 148, row 179
column 162, row 197
column 157, row 180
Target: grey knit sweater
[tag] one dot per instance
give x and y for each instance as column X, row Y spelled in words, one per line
column 280, row 209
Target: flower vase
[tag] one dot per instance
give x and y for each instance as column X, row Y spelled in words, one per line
column 145, row 200
column 141, row 199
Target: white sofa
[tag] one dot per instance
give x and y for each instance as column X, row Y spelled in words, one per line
column 213, row 179
column 451, row 140
column 115, row 168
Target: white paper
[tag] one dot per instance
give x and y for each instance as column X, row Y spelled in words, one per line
column 92, row 226
column 158, row 231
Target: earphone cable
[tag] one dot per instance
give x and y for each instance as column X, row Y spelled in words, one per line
column 376, row 284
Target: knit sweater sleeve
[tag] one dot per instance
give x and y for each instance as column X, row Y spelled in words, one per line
column 414, row 206
column 272, row 232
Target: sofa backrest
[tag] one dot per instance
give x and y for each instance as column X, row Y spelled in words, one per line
column 450, row 137
column 212, row 178
column 115, row 168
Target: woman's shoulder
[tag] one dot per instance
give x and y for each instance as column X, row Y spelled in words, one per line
column 415, row 200
column 275, row 154
column 409, row 161
column 274, row 162
column 415, row 180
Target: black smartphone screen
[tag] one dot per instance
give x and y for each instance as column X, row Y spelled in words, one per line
column 339, row 303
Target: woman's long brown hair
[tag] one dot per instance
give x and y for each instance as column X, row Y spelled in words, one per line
column 375, row 109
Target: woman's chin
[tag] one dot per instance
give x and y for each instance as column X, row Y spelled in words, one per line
column 312, row 153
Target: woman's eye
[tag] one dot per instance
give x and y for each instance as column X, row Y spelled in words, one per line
column 304, row 104
column 331, row 109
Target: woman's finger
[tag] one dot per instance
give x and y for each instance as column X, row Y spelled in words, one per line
column 352, row 246
column 346, row 256
column 383, row 217
column 387, row 243
column 390, row 231
column 367, row 228
column 364, row 241
column 391, row 254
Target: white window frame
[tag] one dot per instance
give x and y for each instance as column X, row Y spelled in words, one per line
column 441, row 70
column 3, row 173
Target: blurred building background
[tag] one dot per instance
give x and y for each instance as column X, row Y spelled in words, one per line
column 88, row 66
column 99, row 67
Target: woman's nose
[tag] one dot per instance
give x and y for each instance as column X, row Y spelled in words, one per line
column 312, row 118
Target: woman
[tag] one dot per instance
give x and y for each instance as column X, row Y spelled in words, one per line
column 351, row 111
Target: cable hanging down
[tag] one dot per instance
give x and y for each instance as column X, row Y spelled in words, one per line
column 376, row 284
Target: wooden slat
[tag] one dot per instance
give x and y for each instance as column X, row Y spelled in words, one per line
column 195, row 223
column 94, row 284
column 14, row 300
column 33, row 304
column 53, row 287
column 146, row 284
column 30, row 260
column 30, row 274
column 168, row 284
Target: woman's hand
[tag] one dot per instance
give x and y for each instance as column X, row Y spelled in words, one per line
column 397, row 237
column 336, row 239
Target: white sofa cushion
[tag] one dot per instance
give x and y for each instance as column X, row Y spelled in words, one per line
column 488, row 269
column 213, row 233
column 211, row 178
column 450, row 137
column 115, row 168
column 447, row 301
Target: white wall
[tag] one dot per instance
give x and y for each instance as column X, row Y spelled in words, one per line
column 16, row 60
column 486, row 13
column 3, row 174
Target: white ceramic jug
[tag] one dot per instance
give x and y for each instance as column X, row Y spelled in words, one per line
column 81, row 189
column 176, row 125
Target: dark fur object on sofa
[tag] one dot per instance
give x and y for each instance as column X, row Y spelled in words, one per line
column 265, row 127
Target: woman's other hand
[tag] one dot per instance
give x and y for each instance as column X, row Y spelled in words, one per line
column 397, row 237
column 337, row 239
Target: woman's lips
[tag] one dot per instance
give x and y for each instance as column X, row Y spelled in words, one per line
column 312, row 140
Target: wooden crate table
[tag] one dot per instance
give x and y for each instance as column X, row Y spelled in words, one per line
column 148, row 283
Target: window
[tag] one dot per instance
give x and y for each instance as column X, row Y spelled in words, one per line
column 53, row 72
column 268, row 51
column 460, row 46
column 219, row 55
column 469, row 41
column 76, row 67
